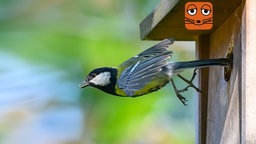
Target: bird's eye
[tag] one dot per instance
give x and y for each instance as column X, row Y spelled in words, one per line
column 94, row 75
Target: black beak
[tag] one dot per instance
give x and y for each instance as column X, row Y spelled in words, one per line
column 84, row 84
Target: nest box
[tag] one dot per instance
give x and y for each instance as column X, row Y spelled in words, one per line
column 227, row 108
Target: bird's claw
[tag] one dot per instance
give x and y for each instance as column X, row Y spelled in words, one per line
column 182, row 99
column 177, row 92
column 190, row 84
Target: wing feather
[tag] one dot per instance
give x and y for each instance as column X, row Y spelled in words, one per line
column 141, row 73
column 157, row 49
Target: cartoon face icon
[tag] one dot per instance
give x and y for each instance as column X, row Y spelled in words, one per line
column 198, row 15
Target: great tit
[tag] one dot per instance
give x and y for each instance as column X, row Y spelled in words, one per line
column 144, row 73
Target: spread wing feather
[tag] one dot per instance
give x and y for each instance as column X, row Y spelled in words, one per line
column 157, row 49
column 139, row 74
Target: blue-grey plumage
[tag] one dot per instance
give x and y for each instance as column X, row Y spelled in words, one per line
column 147, row 72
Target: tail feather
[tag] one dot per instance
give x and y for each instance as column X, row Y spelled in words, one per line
column 201, row 63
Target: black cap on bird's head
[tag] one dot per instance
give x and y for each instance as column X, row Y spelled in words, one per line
column 101, row 78
column 134, row 74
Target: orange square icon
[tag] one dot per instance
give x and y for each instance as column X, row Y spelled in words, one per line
column 198, row 15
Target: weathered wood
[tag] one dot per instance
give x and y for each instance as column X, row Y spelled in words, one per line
column 248, row 73
column 167, row 20
column 202, row 51
column 227, row 111
column 151, row 21
column 223, row 102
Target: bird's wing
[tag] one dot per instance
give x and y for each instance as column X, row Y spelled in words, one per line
column 136, row 76
column 157, row 49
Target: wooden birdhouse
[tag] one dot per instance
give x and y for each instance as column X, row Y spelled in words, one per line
column 227, row 104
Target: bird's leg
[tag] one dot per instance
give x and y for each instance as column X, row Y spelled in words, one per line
column 181, row 98
column 190, row 82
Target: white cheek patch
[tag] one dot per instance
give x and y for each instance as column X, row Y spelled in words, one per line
column 101, row 79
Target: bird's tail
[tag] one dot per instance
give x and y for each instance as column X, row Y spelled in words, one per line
column 179, row 66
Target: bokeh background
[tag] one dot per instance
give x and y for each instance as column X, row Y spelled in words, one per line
column 46, row 49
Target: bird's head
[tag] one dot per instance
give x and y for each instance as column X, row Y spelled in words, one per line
column 101, row 78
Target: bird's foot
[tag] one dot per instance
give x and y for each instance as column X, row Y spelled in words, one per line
column 190, row 84
column 177, row 92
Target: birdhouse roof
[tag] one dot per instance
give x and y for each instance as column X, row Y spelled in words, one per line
column 168, row 20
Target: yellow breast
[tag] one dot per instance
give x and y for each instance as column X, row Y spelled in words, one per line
column 153, row 85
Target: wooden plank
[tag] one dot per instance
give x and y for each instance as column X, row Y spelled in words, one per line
column 224, row 115
column 223, row 119
column 161, row 10
column 167, row 20
column 248, row 73
column 202, row 51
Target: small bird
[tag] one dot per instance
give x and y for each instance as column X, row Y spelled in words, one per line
column 146, row 72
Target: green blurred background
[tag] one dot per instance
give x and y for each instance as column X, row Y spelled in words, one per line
column 46, row 49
